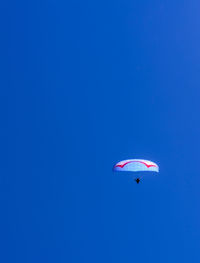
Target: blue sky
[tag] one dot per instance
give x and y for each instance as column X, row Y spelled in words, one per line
column 85, row 84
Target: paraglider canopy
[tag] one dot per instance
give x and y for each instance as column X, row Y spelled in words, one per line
column 136, row 165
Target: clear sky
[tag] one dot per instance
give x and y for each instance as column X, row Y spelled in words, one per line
column 85, row 84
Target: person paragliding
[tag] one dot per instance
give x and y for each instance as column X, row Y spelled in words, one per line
column 137, row 180
column 136, row 165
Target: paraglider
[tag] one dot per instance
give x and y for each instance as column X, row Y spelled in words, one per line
column 136, row 165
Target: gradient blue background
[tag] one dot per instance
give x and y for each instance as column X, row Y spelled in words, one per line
column 85, row 84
